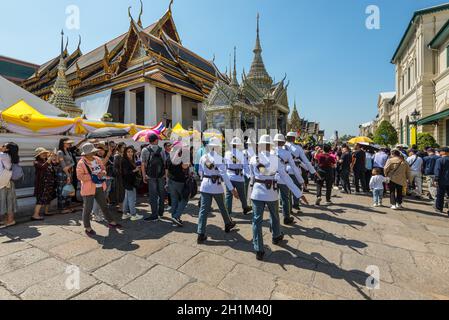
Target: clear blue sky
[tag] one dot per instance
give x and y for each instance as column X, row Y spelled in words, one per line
column 335, row 65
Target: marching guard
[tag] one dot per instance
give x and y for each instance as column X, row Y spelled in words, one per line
column 286, row 161
column 237, row 169
column 300, row 160
column 212, row 171
column 265, row 175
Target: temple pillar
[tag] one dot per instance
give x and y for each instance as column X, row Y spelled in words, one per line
column 150, row 105
column 130, row 107
column 176, row 105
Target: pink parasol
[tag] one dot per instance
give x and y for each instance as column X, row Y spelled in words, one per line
column 144, row 135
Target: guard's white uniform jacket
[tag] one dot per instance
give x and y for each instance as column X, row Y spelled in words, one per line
column 299, row 157
column 271, row 172
column 249, row 153
column 236, row 160
column 215, row 161
column 286, row 161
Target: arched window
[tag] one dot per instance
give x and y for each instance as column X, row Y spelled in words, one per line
column 407, row 130
column 401, row 135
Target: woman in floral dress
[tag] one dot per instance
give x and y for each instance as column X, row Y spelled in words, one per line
column 45, row 182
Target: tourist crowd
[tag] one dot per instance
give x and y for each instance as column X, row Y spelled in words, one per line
column 110, row 177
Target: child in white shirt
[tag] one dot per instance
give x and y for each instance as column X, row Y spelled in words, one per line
column 377, row 186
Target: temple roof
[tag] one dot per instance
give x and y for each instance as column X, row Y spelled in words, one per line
column 157, row 45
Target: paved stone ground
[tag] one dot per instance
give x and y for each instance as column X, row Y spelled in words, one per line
column 325, row 256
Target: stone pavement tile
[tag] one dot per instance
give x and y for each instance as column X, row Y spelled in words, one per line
column 20, row 259
column 432, row 263
column 8, row 246
column 420, row 280
column 123, row 271
column 200, row 291
column 58, row 288
column 243, row 252
column 216, row 246
column 439, row 230
column 404, row 243
column 387, row 253
column 327, row 255
column 342, row 283
column 421, row 235
column 95, row 259
column 145, row 247
column 358, row 263
column 289, row 290
column 208, row 267
column 30, row 231
column 439, row 249
column 102, row 292
column 388, row 291
column 18, row 281
column 248, row 283
column 188, row 239
column 160, row 283
column 59, row 237
column 6, row 295
column 286, row 266
column 390, row 221
column 174, row 255
column 75, row 248
column 358, row 238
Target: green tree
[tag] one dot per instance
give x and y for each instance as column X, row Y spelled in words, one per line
column 386, row 134
column 345, row 138
column 426, row 140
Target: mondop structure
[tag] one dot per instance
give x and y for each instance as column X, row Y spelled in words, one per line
column 256, row 103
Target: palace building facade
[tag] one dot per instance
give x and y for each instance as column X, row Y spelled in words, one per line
column 256, row 103
column 144, row 76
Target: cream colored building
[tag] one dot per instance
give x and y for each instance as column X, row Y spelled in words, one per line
column 385, row 106
column 417, row 69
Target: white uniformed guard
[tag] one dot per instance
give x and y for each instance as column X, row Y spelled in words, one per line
column 300, row 159
column 237, row 169
column 286, row 161
column 212, row 171
column 265, row 175
column 249, row 152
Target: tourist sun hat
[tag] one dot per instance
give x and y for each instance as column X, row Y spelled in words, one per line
column 88, row 149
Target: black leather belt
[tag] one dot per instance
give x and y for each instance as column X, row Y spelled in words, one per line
column 214, row 179
column 268, row 183
column 238, row 172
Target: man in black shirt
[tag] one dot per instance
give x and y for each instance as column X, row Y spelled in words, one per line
column 345, row 167
column 178, row 165
column 358, row 166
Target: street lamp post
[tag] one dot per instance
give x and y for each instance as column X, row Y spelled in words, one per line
column 415, row 118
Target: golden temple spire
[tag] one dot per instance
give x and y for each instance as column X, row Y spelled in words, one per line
column 258, row 73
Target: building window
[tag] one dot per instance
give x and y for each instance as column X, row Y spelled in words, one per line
column 408, row 79
column 194, row 112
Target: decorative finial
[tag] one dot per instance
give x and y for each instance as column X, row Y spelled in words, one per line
column 62, row 42
column 129, row 13
column 213, row 58
column 79, row 42
column 171, row 4
column 140, row 14
column 66, row 44
column 258, row 19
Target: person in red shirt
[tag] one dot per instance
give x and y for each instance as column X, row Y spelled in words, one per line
column 326, row 164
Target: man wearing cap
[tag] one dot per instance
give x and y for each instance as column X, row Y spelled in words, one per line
column 266, row 172
column 237, row 168
column 91, row 172
column 300, row 159
column 213, row 173
column 285, row 162
column 154, row 164
column 442, row 178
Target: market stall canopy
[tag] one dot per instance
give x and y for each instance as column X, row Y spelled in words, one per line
column 11, row 93
column 22, row 118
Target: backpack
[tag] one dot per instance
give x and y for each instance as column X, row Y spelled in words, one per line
column 17, row 172
column 156, row 164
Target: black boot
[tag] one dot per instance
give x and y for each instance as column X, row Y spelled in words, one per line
column 229, row 227
column 278, row 240
column 260, row 255
column 201, row 238
column 288, row 220
column 247, row 210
